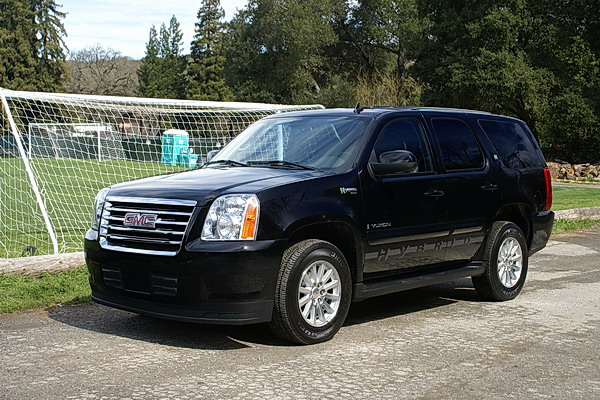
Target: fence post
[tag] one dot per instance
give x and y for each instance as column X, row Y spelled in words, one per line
column 29, row 171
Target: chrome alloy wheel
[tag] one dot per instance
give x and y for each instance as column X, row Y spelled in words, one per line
column 510, row 262
column 319, row 293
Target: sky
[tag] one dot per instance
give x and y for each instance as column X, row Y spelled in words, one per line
column 124, row 25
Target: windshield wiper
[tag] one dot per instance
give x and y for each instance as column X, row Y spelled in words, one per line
column 281, row 163
column 232, row 163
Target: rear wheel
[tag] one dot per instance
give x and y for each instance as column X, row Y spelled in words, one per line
column 313, row 293
column 507, row 261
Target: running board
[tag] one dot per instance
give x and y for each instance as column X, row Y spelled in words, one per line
column 364, row 291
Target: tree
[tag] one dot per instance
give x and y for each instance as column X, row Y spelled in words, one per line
column 535, row 60
column 102, row 71
column 477, row 56
column 17, row 63
column 206, row 79
column 162, row 70
column 31, row 46
column 378, row 39
column 48, row 45
column 149, row 71
column 275, row 49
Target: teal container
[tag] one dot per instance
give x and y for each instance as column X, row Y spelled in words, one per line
column 175, row 143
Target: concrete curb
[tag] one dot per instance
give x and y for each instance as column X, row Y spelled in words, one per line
column 578, row 213
column 36, row 265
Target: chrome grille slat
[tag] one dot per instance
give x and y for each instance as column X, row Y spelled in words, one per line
column 145, row 210
column 161, row 231
column 157, row 222
column 164, row 236
column 141, row 240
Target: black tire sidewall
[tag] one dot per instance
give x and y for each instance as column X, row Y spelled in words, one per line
column 501, row 291
column 325, row 252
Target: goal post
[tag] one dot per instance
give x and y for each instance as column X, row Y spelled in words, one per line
column 58, row 150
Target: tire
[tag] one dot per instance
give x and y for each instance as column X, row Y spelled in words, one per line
column 308, row 310
column 506, row 258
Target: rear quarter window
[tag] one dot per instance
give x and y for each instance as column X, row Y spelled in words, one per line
column 512, row 144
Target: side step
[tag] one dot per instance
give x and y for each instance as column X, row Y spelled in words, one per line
column 363, row 291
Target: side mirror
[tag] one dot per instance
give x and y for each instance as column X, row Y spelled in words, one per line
column 395, row 162
column 211, row 154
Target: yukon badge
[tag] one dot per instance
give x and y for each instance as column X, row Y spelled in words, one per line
column 140, row 220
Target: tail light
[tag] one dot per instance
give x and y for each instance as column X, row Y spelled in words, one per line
column 548, row 180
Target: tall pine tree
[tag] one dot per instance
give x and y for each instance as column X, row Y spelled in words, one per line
column 17, row 64
column 206, row 80
column 48, row 45
column 162, row 69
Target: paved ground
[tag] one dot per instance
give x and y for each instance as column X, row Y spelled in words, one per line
column 438, row 342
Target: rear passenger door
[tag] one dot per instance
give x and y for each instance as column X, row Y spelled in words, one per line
column 471, row 184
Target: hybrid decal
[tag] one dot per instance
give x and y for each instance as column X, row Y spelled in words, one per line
column 344, row 190
column 384, row 254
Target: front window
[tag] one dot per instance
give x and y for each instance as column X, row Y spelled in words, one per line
column 323, row 143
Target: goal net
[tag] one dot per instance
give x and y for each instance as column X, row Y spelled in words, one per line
column 58, row 150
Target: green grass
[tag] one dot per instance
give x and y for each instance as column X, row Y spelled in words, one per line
column 566, row 225
column 567, row 197
column 20, row 293
column 68, row 188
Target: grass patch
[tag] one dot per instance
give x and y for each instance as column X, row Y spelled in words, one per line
column 567, row 225
column 565, row 198
column 21, row 293
column 68, row 188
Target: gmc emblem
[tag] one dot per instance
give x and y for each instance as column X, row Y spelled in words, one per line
column 140, row 220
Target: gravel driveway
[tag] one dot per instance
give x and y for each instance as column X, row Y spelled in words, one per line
column 436, row 342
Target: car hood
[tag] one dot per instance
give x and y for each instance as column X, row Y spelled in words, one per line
column 203, row 185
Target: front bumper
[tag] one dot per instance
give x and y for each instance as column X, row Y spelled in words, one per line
column 542, row 228
column 207, row 282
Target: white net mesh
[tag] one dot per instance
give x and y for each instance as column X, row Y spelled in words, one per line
column 74, row 145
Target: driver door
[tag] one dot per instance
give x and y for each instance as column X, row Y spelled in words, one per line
column 406, row 216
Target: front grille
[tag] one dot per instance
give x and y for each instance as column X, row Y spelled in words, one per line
column 145, row 225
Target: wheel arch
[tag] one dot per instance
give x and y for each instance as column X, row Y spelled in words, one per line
column 339, row 232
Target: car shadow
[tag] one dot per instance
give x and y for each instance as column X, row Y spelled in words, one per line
column 109, row 321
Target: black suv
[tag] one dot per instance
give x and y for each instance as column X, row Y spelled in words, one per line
column 305, row 212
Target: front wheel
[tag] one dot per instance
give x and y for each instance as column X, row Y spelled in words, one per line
column 506, row 258
column 313, row 292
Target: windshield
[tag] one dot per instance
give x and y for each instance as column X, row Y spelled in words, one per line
column 315, row 142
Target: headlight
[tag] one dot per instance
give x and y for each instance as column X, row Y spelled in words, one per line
column 98, row 205
column 232, row 217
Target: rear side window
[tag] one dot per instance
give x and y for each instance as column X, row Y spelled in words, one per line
column 458, row 145
column 512, row 144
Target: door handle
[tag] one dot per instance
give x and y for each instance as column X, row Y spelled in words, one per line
column 434, row 193
column 489, row 187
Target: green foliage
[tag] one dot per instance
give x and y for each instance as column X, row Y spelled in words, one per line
column 275, row 49
column 17, row 62
column 21, row 293
column 206, row 79
column 31, row 46
column 162, row 70
column 48, row 45
column 536, row 60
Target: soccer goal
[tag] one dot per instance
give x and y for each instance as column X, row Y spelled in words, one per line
column 58, row 150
